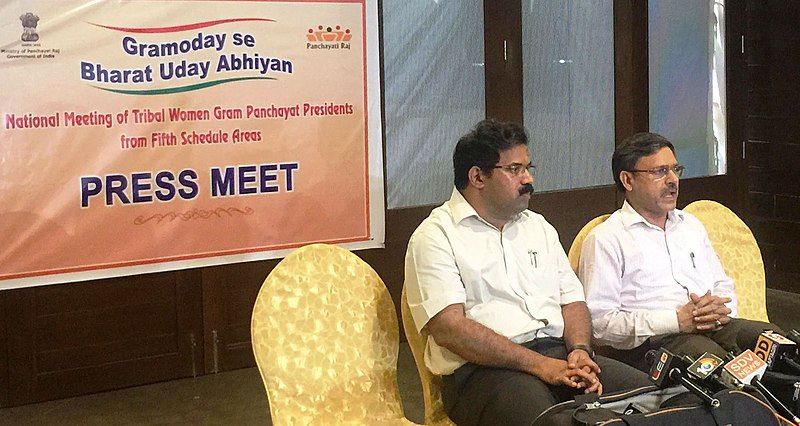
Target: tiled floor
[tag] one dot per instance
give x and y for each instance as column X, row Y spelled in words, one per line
column 238, row 397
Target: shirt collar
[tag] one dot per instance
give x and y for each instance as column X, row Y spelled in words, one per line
column 461, row 209
column 630, row 217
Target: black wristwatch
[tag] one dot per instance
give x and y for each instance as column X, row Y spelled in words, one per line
column 586, row 348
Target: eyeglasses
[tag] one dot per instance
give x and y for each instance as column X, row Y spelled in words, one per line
column 517, row 168
column 661, row 172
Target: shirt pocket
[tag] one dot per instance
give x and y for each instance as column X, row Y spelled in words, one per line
column 537, row 274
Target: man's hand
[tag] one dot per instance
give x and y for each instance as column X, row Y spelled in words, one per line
column 686, row 318
column 709, row 310
column 558, row 372
column 701, row 313
column 579, row 358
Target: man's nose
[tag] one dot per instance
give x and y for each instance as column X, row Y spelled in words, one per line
column 672, row 176
column 527, row 176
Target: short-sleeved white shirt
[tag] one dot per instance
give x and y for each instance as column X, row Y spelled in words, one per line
column 512, row 281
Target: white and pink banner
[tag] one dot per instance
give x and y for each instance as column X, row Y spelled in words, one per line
column 150, row 135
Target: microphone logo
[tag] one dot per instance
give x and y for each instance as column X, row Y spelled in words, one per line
column 705, row 365
column 773, row 349
column 746, row 366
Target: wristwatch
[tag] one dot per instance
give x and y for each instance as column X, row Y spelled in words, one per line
column 586, row 348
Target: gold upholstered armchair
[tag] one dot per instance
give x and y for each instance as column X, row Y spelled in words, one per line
column 739, row 254
column 431, row 383
column 574, row 255
column 325, row 339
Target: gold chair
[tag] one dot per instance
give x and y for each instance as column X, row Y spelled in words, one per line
column 325, row 339
column 574, row 254
column 739, row 254
column 431, row 383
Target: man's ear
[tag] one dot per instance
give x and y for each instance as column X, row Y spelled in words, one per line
column 476, row 177
column 626, row 178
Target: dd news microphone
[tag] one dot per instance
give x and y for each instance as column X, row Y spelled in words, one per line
column 777, row 351
column 748, row 368
column 668, row 368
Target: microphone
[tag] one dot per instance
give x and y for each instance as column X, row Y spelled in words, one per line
column 667, row 369
column 794, row 336
column 747, row 368
column 777, row 351
column 526, row 188
column 707, row 369
column 743, row 368
column 774, row 400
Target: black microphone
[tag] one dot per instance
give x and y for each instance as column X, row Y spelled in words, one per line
column 526, row 188
column 668, row 369
column 794, row 336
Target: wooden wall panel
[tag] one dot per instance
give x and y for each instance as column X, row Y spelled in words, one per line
column 773, row 136
column 100, row 335
column 502, row 41
column 229, row 292
column 568, row 211
column 631, row 97
column 4, row 330
column 717, row 188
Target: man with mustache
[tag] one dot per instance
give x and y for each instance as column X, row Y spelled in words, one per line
column 651, row 275
column 490, row 287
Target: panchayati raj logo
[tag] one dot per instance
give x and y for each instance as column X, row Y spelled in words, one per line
column 328, row 37
column 29, row 22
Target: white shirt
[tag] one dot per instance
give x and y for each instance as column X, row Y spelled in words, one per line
column 637, row 275
column 512, row 281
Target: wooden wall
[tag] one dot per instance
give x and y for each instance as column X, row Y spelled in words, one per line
column 772, row 52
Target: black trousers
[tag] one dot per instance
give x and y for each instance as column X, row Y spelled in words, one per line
column 737, row 335
column 478, row 395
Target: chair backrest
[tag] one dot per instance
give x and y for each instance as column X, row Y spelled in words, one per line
column 325, row 338
column 739, row 254
column 574, row 255
column 431, row 383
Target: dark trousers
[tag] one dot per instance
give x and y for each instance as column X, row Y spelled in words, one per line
column 478, row 395
column 737, row 335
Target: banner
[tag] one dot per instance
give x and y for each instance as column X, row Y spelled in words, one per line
column 141, row 136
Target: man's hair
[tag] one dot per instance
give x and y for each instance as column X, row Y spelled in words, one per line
column 482, row 147
column 634, row 147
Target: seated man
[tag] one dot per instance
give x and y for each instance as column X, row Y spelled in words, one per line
column 652, row 278
column 489, row 285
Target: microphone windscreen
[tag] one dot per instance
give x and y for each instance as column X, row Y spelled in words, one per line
column 773, row 348
column 650, row 356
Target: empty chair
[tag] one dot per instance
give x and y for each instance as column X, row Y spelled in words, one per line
column 325, row 339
